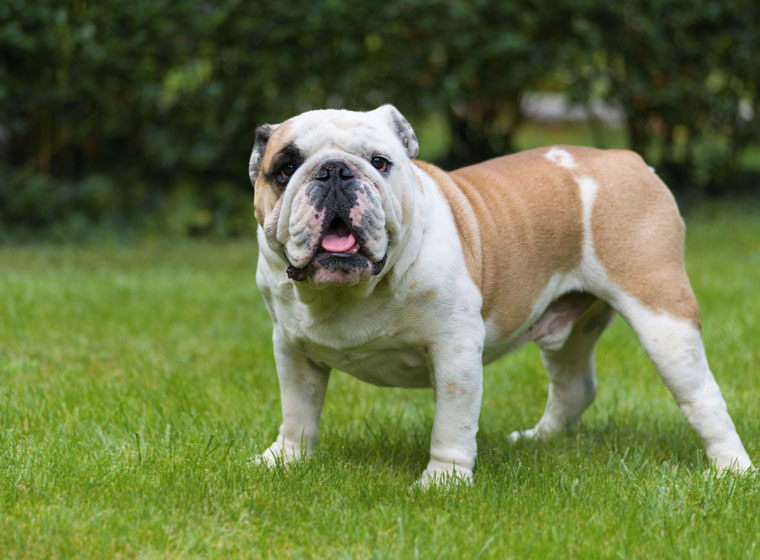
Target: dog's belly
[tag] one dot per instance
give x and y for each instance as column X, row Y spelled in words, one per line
column 385, row 363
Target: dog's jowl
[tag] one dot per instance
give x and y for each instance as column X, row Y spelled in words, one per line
column 401, row 274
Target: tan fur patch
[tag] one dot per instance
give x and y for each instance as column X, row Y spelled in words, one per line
column 526, row 214
column 266, row 193
column 638, row 234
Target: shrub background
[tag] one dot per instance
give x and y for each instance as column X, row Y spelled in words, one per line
column 125, row 116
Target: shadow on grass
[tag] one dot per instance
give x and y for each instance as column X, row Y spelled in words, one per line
column 633, row 444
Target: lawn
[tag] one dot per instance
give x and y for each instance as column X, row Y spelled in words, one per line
column 136, row 382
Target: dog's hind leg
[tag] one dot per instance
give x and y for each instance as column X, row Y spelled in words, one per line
column 676, row 349
column 566, row 335
column 636, row 238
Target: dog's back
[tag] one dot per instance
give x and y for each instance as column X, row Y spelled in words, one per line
column 541, row 212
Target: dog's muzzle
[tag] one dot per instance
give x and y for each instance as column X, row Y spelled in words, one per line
column 349, row 215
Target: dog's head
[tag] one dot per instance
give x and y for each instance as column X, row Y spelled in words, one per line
column 330, row 191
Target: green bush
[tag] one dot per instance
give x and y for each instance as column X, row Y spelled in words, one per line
column 686, row 76
column 116, row 114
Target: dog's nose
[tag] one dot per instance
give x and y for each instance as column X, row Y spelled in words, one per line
column 335, row 170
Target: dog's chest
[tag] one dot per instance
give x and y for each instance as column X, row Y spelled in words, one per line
column 383, row 361
column 382, row 345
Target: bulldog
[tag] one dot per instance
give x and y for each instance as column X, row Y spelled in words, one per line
column 400, row 274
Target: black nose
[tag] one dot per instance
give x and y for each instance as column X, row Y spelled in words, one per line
column 336, row 170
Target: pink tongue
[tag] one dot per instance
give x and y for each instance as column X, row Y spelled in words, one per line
column 336, row 243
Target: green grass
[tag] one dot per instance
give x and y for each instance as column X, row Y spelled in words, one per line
column 136, row 382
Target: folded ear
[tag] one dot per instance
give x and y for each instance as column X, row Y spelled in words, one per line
column 259, row 144
column 402, row 128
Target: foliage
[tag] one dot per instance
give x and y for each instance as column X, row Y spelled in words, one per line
column 686, row 76
column 113, row 111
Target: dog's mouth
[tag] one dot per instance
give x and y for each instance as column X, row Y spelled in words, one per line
column 338, row 239
column 339, row 259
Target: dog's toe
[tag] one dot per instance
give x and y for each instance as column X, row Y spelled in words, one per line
column 280, row 453
column 442, row 475
column 531, row 434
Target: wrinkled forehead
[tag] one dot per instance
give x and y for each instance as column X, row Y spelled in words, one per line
column 349, row 131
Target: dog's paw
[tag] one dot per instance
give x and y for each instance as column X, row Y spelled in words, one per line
column 281, row 453
column 731, row 465
column 439, row 475
column 532, row 434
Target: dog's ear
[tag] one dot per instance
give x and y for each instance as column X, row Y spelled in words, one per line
column 402, row 128
column 263, row 134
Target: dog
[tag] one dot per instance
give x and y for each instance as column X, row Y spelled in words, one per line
column 401, row 274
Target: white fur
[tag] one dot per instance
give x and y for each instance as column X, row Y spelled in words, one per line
column 676, row 349
column 588, row 189
column 561, row 157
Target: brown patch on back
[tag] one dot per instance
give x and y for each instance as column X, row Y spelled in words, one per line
column 638, row 234
column 519, row 218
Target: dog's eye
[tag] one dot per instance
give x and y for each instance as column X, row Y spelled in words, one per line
column 380, row 163
column 285, row 172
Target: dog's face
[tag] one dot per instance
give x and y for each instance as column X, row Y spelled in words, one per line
column 331, row 190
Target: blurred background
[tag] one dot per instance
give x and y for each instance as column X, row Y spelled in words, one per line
column 137, row 118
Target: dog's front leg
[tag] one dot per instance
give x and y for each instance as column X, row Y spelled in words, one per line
column 302, row 390
column 458, row 382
